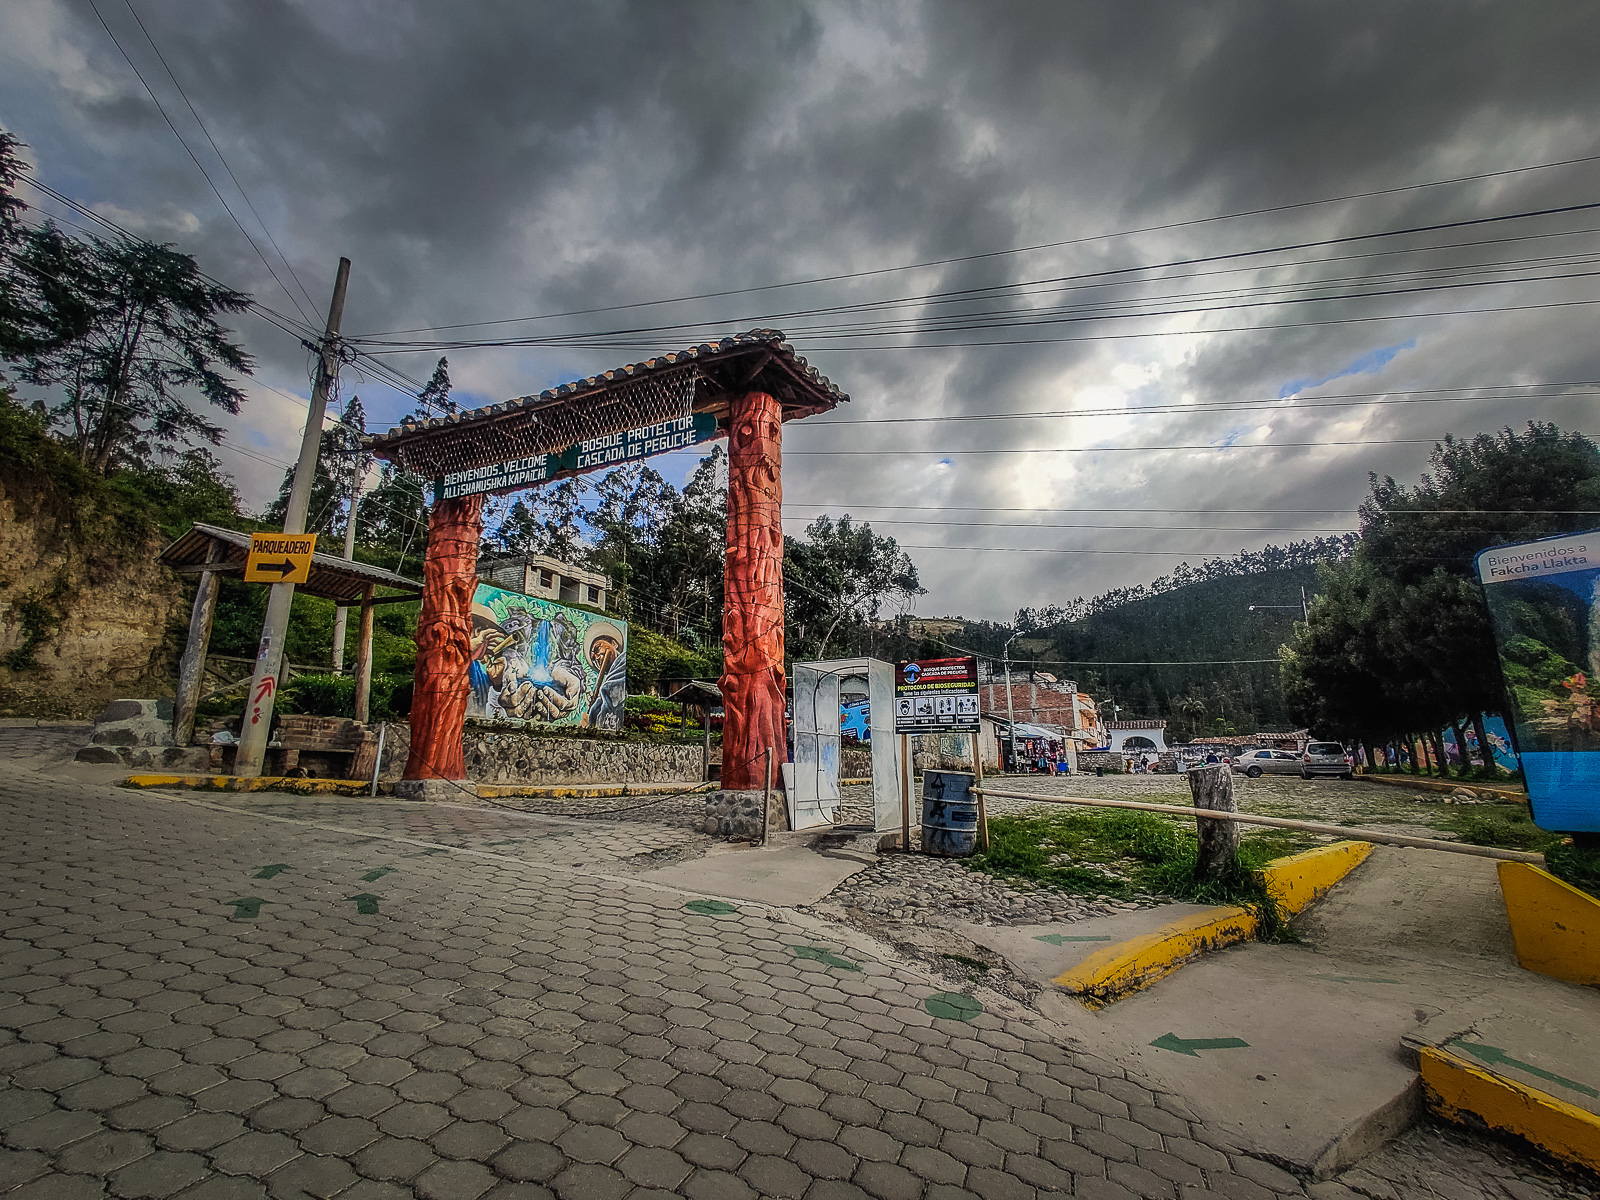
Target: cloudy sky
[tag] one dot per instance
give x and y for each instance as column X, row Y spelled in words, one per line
column 486, row 161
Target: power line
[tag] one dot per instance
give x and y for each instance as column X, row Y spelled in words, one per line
column 1581, row 512
column 220, row 156
column 1238, row 255
column 93, row 5
column 1415, row 396
column 1016, row 250
column 1118, row 449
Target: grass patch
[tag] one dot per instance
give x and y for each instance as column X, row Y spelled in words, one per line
column 1121, row 854
column 1508, row 826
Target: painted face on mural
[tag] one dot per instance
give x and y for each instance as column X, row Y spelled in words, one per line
column 535, row 660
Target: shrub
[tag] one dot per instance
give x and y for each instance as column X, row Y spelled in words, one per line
column 1577, row 865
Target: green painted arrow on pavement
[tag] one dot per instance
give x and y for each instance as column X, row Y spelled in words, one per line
column 1058, row 939
column 825, row 956
column 953, row 1006
column 268, row 872
column 247, row 909
column 711, row 908
column 376, row 873
column 1192, row 1046
column 365, row 903
column 1495, row 1056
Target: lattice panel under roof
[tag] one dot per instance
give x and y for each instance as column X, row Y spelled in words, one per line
column 698, row 379
column 556, row 425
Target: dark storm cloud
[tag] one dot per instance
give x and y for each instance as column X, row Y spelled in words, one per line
column 480, row 161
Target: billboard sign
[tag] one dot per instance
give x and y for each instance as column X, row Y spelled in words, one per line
column 535, row 660
column 591, row 454
column 935, row 695
column 1544, row 599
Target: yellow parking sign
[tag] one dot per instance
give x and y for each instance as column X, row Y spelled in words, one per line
column 280, row 557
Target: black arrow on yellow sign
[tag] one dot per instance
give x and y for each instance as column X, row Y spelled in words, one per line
column 282, row 568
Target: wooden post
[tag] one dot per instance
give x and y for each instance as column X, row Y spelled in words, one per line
column 983, row 811
column 364, row 658
column 192, row 667
column 766, row 801
column 905, row 793
column 1212, row 788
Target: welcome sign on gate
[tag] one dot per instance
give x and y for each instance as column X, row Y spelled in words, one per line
column 1544, row 599
column 591, row 454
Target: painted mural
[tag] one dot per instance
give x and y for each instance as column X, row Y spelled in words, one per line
column 855, row 721
column 535, row 660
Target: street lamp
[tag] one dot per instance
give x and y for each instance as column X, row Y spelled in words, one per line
column 1011, row 712
column 1304, row 606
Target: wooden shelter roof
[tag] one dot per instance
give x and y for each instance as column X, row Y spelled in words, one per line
column 332, row 578
column 624, row 398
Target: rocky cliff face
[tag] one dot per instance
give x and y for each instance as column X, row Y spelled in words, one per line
column 86, row 613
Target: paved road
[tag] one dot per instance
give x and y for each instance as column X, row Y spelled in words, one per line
column 373, row 1000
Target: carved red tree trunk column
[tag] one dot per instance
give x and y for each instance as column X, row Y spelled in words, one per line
column 752, row 619
column 444, row 632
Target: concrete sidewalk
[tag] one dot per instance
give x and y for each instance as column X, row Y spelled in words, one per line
column 1300, row 1051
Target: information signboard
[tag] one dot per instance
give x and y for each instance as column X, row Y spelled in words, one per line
column 936, row 695
column 591, row 454
column 280, row 557
column 1544, row 598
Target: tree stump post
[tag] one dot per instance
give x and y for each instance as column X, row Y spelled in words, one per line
column 1212, row 788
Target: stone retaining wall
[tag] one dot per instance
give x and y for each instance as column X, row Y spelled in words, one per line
column 513, row 756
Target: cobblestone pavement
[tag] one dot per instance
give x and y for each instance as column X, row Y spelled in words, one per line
column 220, row 996
column 1435, row 1160
column 198, row 1000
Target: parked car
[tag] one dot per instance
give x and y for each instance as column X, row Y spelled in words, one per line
column 1256, row 763
column 1325, row 758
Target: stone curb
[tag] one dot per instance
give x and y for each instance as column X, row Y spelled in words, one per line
column 1440, row 785
column 1467, row 1094
column 1295, row 882
column 1554, row 926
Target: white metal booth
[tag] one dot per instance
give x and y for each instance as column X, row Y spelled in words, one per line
column 814, row 799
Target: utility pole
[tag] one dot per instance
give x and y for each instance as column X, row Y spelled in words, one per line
column 257, row 723
column 342, row 618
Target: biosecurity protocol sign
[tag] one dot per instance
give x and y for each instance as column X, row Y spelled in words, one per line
column 1544, row 598
column 936, row 694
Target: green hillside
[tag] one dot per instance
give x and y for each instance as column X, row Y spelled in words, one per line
column 1209, row 620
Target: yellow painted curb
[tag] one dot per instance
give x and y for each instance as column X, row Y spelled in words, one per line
column 1128, row 966
column 1555, row 926
column 360, row 787
column 1460, row 1092
column 1300, row 880
column 1115, row 971
column 492, row 791
column 256, row 783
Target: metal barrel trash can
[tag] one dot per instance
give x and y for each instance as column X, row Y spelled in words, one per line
column 949, row 814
